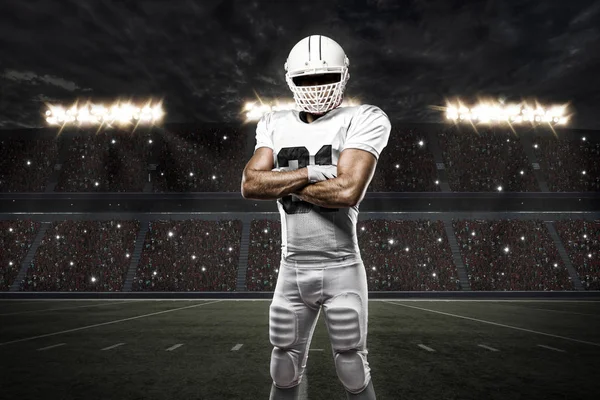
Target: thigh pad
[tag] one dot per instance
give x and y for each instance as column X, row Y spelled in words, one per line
column 283, row 323
column 343, row 315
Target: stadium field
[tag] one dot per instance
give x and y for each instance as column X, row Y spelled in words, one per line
column 219, row 349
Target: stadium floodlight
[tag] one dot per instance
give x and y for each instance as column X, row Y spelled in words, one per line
column 96, row 114
column 490, row 113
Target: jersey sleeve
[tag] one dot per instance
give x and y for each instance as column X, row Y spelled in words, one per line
column 369, row 130
column 264, row 135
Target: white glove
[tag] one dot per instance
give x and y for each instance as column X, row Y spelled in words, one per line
column 280, row 169
column 319, row 173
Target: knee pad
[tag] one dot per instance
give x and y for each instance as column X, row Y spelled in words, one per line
column 284, row 369
column 352, row 370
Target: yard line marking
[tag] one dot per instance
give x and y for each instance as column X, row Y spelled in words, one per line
column 552, row 348
column 497, row 324
column 236, row 347
column 558, row 311
column 487, row 347
column 175, row 347
column 113, row 346
column 57, row 309
column 51, row 347
column 489, row 300
column 426, row 348
column 107, row 323
column 315, row 349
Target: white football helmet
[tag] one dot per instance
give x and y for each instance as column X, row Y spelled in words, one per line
column 315, row 55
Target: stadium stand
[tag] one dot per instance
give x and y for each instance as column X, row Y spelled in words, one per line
column 426, row 266
column 484, row 161
column 109, row 161
column 16, row 237
column 88, row 256
column 568, row 164
column 190, row 255
column 26, row 164
column 202, row 255
column 264, row 255
column 510, row 255
column 582, row 242
column 406, row 165
column 201, row 160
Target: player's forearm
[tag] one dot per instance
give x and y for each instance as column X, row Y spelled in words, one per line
column 272, row 185
column 332, row 193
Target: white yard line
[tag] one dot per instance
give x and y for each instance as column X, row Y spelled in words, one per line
column 175, row 347
column 237, row 347
column 490, row 301
column 107, row 323
column 113, row 346
column 497, row 324
column 51, row 347
column 487, row 347
column 553, row 310
column 552, row 348
column 426, row 348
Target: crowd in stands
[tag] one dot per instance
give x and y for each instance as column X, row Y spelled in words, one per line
column 485, row 161
column 404, row 255
column 190, row 255
column 264, row 255
column 426, row 265
column 510, row 255
column 406, row 165
column 201, row 255
column 82, row 256
column 569, row 165
column 209, row 158
column 581, row 240
column 108, row 161
column 201, row 160
column 26, row 164
column 16, row 237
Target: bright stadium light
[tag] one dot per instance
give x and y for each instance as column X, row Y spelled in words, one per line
column 500, row 113
column 95, row 114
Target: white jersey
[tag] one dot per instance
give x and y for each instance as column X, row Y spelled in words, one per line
column 310, row 232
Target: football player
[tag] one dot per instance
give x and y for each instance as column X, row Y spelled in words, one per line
column 317, row 164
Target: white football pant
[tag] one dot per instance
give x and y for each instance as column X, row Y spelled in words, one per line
column 340, row 287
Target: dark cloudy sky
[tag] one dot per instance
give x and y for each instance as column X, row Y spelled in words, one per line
column 207, row 57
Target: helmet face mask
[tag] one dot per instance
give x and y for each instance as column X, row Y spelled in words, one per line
column 317, row 73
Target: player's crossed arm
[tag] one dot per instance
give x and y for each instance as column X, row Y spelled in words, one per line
column 355, row 170
column 259, row 182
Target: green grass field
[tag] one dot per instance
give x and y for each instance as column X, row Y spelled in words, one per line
column 73, row 365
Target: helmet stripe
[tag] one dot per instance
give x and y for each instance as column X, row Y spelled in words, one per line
column 309, row 47
column 320, row 58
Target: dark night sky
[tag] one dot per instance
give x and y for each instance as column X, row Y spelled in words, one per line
column 206, row 58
